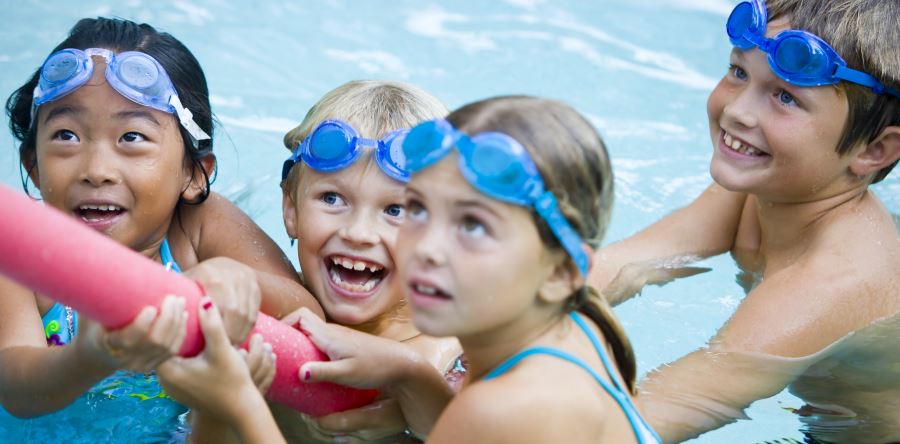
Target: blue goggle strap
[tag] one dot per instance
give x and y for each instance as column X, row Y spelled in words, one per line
column 851, row 75
column 548, row 208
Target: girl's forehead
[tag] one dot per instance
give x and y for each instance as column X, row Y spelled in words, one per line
column 444, row 182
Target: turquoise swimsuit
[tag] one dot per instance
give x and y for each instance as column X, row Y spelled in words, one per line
column 642, row 430
column 125, row 407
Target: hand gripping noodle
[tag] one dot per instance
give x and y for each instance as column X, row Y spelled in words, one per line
column 56, row 256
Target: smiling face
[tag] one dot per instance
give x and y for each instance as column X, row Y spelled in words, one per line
column 346, row 225
column 472, row 265
column 115, row 165
column 775, row 139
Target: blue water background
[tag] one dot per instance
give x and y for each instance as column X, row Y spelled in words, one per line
column 640, row 69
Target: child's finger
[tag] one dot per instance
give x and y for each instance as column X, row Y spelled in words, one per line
column 270, row 367
column 211, row 325
column 254, row 355
column 339, row 372
column 166, row 328
column 131, row 334
column 265, row 365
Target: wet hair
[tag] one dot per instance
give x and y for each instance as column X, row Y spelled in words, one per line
column 575, row 166
column 866, row 35
column 119, row 36
column 374, row 108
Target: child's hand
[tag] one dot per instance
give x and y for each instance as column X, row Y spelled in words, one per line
column 357, row 359
column 233, row 287
column 218, row 380
column 260, row 360
column 142, row 345
column 373, row 422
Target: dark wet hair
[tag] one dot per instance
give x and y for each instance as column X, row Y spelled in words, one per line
column 120, row 36
column 575, row 166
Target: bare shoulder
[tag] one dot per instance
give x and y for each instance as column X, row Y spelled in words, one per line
column 803, row 308
column 524, row 405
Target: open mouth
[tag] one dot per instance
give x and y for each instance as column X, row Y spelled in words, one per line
column 354, row 275
column 93, row 214
column 739, row 146
column 423, row 289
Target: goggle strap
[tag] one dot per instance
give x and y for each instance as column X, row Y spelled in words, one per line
column 861, row 78
column 187, row 120
column 548, row 208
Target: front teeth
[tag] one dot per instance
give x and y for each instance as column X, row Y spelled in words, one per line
column 738, row 146
column 424, row 289
column 100, row 207
column 355, row 265
column 357, row 288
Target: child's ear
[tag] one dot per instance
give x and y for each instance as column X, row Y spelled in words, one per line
column 289, row 213
column 564, row 280
column 196, row 185
column 883, row 151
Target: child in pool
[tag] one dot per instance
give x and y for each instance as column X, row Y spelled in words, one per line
column 792, row 163
column 132, row 161
column 494, row 251
column 343, row 202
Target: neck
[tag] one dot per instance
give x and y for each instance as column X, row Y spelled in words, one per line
column 488, row 349
column 395, row 324
column 788, row 228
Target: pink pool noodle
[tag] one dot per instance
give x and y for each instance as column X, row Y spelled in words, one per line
column 58, row 257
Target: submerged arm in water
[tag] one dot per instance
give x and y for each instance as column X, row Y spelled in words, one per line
column 708, row 389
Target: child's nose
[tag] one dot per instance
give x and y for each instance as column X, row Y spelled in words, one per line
column 742, row 110
column 360, row 231
column 99, row 167
column 430, row 247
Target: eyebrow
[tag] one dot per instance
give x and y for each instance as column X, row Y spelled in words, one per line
column 480, row 205
column 61, row 111
column 136, row 114
column 737, row 52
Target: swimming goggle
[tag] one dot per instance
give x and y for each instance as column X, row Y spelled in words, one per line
column 335, row 145
column 796, row 56
column 135, row 75
column 498, row 166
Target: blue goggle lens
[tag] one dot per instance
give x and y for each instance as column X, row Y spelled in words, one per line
column 140, row 73
column 330, row 143
column 61, row 67
column 740, row 23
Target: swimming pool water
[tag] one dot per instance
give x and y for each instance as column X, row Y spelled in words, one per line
column 640, row 69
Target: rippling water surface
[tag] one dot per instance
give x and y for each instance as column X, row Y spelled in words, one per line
column 640, row 69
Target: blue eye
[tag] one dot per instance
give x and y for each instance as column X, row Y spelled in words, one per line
column 332, row 198
column 786, row 98
column 65, row 136
column 738, row 72
column 394, row 210
column 132, row 137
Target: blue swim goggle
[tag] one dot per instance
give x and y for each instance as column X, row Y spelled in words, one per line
column 796, row 56
column 498, row 166
column 334, row 145
column 135, row 75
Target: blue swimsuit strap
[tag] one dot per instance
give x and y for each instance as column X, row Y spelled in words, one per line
column 165, row 256
column 642, row 431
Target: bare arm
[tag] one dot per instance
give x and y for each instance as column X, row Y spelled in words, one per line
column 773, row 337
column 704, row 228
column 226, row 231
column 31, row 380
